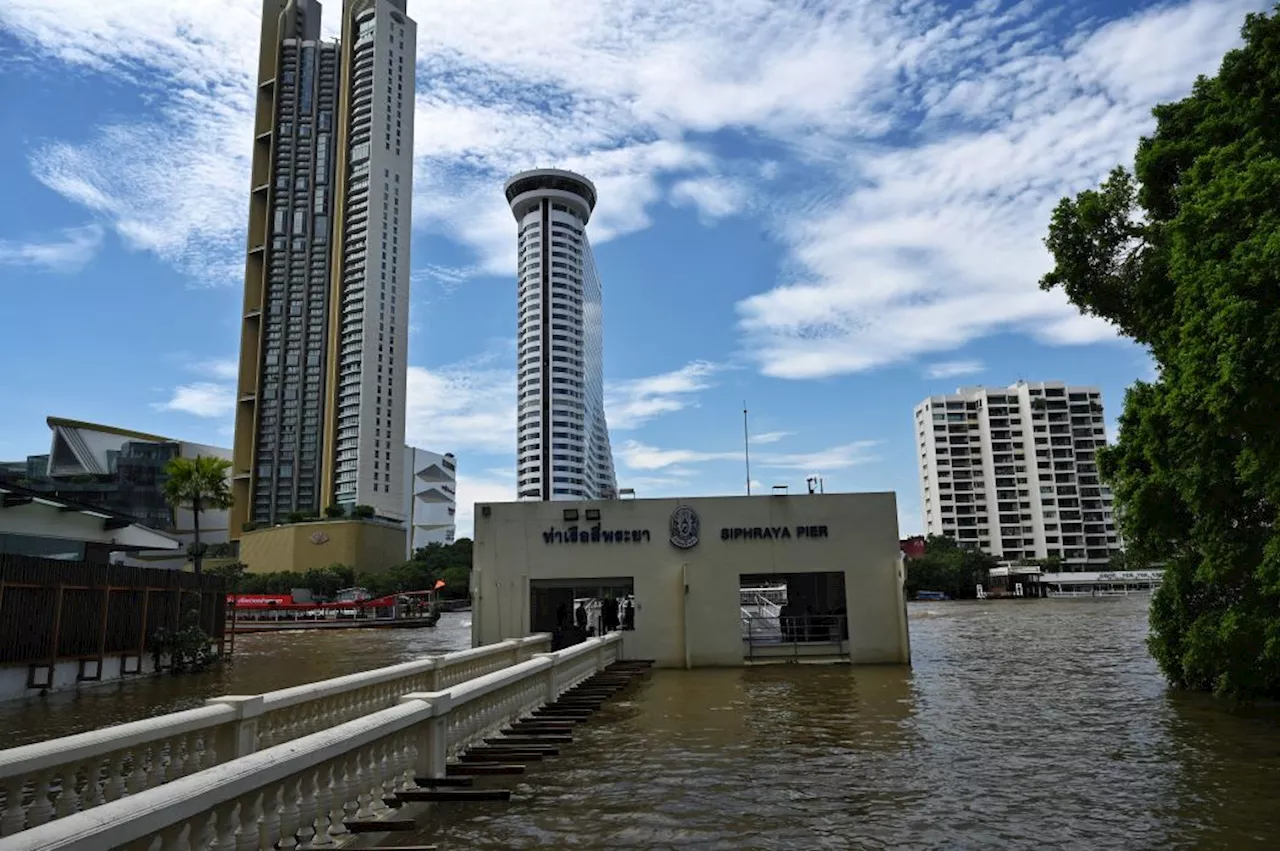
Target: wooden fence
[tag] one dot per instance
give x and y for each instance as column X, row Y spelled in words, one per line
column 54, row 611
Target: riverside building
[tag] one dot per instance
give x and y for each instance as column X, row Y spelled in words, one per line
column 1013, row 471
column 321, row 398
column 562, row 439
column 715, row 581
column 431, row 498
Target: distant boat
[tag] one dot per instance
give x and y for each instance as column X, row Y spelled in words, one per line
column 932, row 595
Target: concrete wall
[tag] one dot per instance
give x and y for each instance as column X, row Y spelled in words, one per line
column 687, row 603
column 363, row 545
column 13, row 678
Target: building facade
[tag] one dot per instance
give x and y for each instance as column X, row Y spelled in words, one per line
column 1013, row 472
column 320, row 406
column 431, row 498
column 120, row 471
column 682, row 568
column 562, row 439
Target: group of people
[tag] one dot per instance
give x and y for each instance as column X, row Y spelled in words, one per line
column 613, row 616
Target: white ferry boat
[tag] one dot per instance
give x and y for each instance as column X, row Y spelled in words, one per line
column 1092, row 584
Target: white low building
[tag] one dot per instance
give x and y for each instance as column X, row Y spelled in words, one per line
column 431, row 501
column 122, row 471
column 675, row 568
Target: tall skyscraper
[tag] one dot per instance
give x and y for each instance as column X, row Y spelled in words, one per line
column 320, row 411
column 1012, row 471
column 562, row 440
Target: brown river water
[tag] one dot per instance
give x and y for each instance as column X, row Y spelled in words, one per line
column 1031, row 724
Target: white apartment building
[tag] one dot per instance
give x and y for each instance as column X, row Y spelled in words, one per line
column 375, row 192
column 324, row 340
column 562, row 440
column 1012, row 471
column 431, row 499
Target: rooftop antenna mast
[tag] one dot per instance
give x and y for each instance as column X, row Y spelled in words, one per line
column 746, row 445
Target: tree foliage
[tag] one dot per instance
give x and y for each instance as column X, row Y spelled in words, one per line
column 429, row 564
column 1183, row 255
column 199, row 483
column 946, row 566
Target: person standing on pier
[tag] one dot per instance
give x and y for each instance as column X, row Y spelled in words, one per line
column 580, row 617
column 628, row 615
column 609, row 615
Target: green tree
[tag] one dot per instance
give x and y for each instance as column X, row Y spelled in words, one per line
column 1183, row 255
column 199, row 483
column 946, row 566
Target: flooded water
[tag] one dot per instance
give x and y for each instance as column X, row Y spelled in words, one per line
column 262, row 662
column 1036, row 724
column 1031, row 724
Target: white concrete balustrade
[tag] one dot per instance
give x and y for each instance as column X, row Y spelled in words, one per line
column 299, row 794
column 51, row 780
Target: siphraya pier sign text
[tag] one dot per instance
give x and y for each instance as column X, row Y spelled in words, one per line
column 771, row 533
column 595, row 535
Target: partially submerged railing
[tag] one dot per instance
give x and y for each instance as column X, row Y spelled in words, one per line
column 52, row 780
column 793, row 632
column 303, row 792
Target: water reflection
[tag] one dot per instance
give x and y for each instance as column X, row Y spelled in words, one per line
column 262, row 662
column 1031, row 724
column 1037, row 724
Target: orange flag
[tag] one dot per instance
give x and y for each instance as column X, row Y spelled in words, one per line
column 439, row 584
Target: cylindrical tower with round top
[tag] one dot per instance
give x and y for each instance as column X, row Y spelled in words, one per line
column 562, row 440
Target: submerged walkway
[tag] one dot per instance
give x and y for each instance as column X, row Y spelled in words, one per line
column 311, row 766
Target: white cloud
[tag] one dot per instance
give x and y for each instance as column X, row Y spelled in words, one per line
column 70, row 253
column 640, row 456
column 934, row 243
column 770, row 436
column 836, row 458
column 201, row 399
column 923, row 145
column 953, row 368
column 224, row 369
column 633, row 402
column 460, row 408
column 714, row 197
column 473, row 489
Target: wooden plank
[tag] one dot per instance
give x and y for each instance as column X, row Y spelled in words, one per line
column 102, row 634
column 498, row 756
column 398, row 825
column 437, row 782
column 416, row 795
column 543, row 750
column 478, row 769
column 530, row 739
column 536, row 727
column 57, row 632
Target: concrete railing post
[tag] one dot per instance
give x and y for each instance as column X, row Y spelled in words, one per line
column 240, row 737
column 435, row 673
column 553, row 691
column 433, row 734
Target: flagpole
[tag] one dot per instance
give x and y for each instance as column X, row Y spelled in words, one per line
column 746, row 446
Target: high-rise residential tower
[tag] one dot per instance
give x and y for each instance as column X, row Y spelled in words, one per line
column 1012, row 471
column 320, row 405
column 562, row 440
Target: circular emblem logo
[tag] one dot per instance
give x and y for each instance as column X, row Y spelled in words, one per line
column 319, row 537
column 684, row 527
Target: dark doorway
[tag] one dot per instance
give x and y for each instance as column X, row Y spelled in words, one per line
column 793, row 608
column 573, row 610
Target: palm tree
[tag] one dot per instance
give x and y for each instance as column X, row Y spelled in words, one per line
column 199, row 483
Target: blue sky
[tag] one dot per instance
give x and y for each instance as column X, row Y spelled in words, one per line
column 828, row 210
